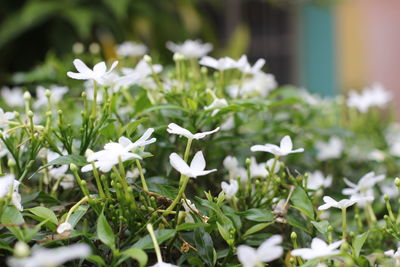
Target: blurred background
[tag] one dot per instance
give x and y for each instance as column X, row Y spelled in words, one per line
column 325, row 46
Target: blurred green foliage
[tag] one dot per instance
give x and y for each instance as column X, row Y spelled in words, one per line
column 29, row 29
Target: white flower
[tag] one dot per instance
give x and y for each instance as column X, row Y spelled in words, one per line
column 318, row 249
column 219, row 64
column 235, row 171
column 105, row 159
column 230, row 189
column 5, row 117
column 56, row 172
column 176, row 129
column 44, row 257
column 141, row 142
column 317, row 180
column 190, row 48
column 6, row 183
column 376, row 155
column 57, row 93
column 342, row 204
column 395, row 255
column 231, row 163
column 189, row 208
column 228, row 124
column 196, row 167
column 90, row 94
column 389, row 190
column 131, row 49
column 331, row 150
column 13, row 97
column 244, row 65
column 138, row 75
column 268, row 251
column 67, row 181
column 97, row 74
column 216, row 105
column 260, row 84
column 364, row 185
column 375, row 96
column 285, row 148
column 64, row 227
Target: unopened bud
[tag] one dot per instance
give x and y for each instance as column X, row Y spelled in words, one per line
column 147, row 59
column 27, row 96
column 21, row 250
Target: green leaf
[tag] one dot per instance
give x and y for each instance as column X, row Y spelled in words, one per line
column 77, row 215
column 137, row 254
column 225, row 234
column 161, row 235
column 256, row 228
column 11, row 215
column 204, row 245
column 45, row 213
column 358, row 243
column 78, row 160
column 64, row 160
column 258, row 215
column 97, row 260
column 301, row 202
column 105, row 232
column 321, row 226
column 297, row 221
column 190, row 226
column 163, row 189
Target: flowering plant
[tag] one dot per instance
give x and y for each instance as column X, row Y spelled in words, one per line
column 115, row 168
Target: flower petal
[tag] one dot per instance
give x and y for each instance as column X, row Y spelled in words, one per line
column 198, row 162
column 286, row 144
column 81, row 67
column 179, row 164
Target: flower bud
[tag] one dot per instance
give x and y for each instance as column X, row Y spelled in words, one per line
column 293, row 236
column 147, row 59
column 27, row 96
column 385, row 197
column 21, row 250
column 73, row 167
column 178, row 57
column 47, row 93
column 30, row 114
column 64, row 227
column 397, row 181
column 94, row 48
column 11, row 163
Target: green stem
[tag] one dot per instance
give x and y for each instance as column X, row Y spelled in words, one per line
column 344, row 223
column 98, row 182
column 183, row 181
column 94, row 107
column 154, row 239
column 144, row 184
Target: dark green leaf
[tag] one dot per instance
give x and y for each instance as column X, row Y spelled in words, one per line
column 301, row 201
column 256, row 228
column 258, row 215
column 161, row 235
column 45, row 213
column 190, row 226
column 137, row 254
column 204, row 245
column 358, row 243
column 321, row 226
column 105, row 232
